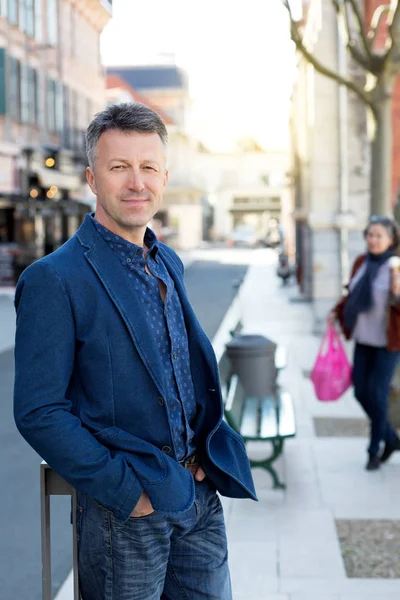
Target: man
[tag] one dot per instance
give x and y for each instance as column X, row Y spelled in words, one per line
column 117, row 387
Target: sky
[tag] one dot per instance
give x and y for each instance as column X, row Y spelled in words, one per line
column 237, row 55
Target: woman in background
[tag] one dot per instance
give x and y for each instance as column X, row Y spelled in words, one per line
column 370, row 315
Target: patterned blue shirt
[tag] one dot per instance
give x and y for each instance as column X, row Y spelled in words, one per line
column 165, row 319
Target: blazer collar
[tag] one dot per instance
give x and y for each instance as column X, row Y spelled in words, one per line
column 115, row 281
column 111, row 274
column 196, row 336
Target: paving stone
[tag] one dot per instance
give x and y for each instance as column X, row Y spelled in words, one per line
column 370, row 548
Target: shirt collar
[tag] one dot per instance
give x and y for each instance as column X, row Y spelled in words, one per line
column 150, row 239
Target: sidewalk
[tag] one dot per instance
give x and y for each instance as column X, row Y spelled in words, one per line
column 285, row 547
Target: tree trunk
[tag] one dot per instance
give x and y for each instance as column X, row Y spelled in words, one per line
column 381, row 155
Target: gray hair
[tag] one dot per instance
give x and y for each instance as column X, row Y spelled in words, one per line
column 127, row 117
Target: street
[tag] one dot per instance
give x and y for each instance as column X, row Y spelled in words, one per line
column 209, row 282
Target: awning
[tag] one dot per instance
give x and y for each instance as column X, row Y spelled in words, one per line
column 64, row 181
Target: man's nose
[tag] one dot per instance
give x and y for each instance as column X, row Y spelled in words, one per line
column 135, row 181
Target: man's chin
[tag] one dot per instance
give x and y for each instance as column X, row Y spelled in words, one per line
column 134, row 222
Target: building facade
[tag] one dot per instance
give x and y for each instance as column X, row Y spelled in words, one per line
column 330, row 166
column 51, row 85
column 165, row 86
column 208, row 194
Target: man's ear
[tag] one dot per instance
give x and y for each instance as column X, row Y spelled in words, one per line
column 91, row 180
column 166, row 177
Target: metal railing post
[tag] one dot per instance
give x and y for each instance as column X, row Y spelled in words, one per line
column 51, row 484
column 45, row 527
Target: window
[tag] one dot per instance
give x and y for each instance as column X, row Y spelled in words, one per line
column 66, row 111
column 3, row 87
column 74, row 118
column 89, row 111
column 14, row 91
column 52, row 22
column 59, row 108
column 24, row 99
column 29, row 17
column 51, row 105
column 21, row 15
column 3, row 8
column 38, row 17
column 33, row 96
column 73, row 27
column 40, row 99
column 12, row 12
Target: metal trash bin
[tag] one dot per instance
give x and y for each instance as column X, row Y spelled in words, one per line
column 253, row 360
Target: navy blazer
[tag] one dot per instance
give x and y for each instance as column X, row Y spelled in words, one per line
column 88, row 383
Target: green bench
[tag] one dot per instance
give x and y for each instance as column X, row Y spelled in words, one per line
column 269, row 419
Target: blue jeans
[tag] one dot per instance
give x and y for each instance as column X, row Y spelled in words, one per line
column 372, row 373
column 154, row 557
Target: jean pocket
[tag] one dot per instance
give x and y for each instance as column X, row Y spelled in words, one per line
column 143, row 517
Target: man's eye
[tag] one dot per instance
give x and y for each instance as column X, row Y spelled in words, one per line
column 149, row 168
column 118, row 167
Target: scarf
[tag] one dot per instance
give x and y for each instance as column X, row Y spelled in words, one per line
column 360, row 298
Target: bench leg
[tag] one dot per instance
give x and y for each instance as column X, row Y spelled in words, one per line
column 277, row 449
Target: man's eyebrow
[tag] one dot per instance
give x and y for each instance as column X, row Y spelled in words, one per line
column 119, row 160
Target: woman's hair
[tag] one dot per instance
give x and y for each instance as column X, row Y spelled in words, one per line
column 391, row 226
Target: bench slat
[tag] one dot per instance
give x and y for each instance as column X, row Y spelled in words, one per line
column 280, row 357
column 269, row 425
column 287, row 421
column 224, row 367
column 234, row 403
column 250, row 418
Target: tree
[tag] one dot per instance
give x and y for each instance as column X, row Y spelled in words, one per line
column 381, row 69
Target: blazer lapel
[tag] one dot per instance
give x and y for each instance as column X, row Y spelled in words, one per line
column 196, row 335
column 115, row 281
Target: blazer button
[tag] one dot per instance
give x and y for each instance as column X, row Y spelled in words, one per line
column 166, row 449
column 160, row 401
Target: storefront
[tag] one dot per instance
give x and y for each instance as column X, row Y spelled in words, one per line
column 42, row 212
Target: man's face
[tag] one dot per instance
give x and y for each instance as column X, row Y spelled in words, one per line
column 129, row 179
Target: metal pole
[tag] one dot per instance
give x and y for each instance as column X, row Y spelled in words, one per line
column 343, row 156
column 75, row 548
column 45, row 527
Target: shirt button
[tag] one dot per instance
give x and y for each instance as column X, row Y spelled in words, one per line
column 160, row 401
column 175, row 356
column 166, row 449
column 128, row 260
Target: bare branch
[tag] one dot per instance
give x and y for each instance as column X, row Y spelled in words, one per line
column 318, row 66
column 351, row 85
column 361, row 29
column 356, row 53
column 377, row 17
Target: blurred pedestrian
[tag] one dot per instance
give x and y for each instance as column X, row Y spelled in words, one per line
column 370, row 315
column 284, row 269
column 117, row 386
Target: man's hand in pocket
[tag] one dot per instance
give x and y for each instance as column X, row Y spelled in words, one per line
column 143, row 507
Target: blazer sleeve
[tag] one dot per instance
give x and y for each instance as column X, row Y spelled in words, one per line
column 44, row 362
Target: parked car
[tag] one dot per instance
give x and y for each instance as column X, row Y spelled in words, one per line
column 244, row 235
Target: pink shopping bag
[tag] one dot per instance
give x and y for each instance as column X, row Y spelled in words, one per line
column 332, row 372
